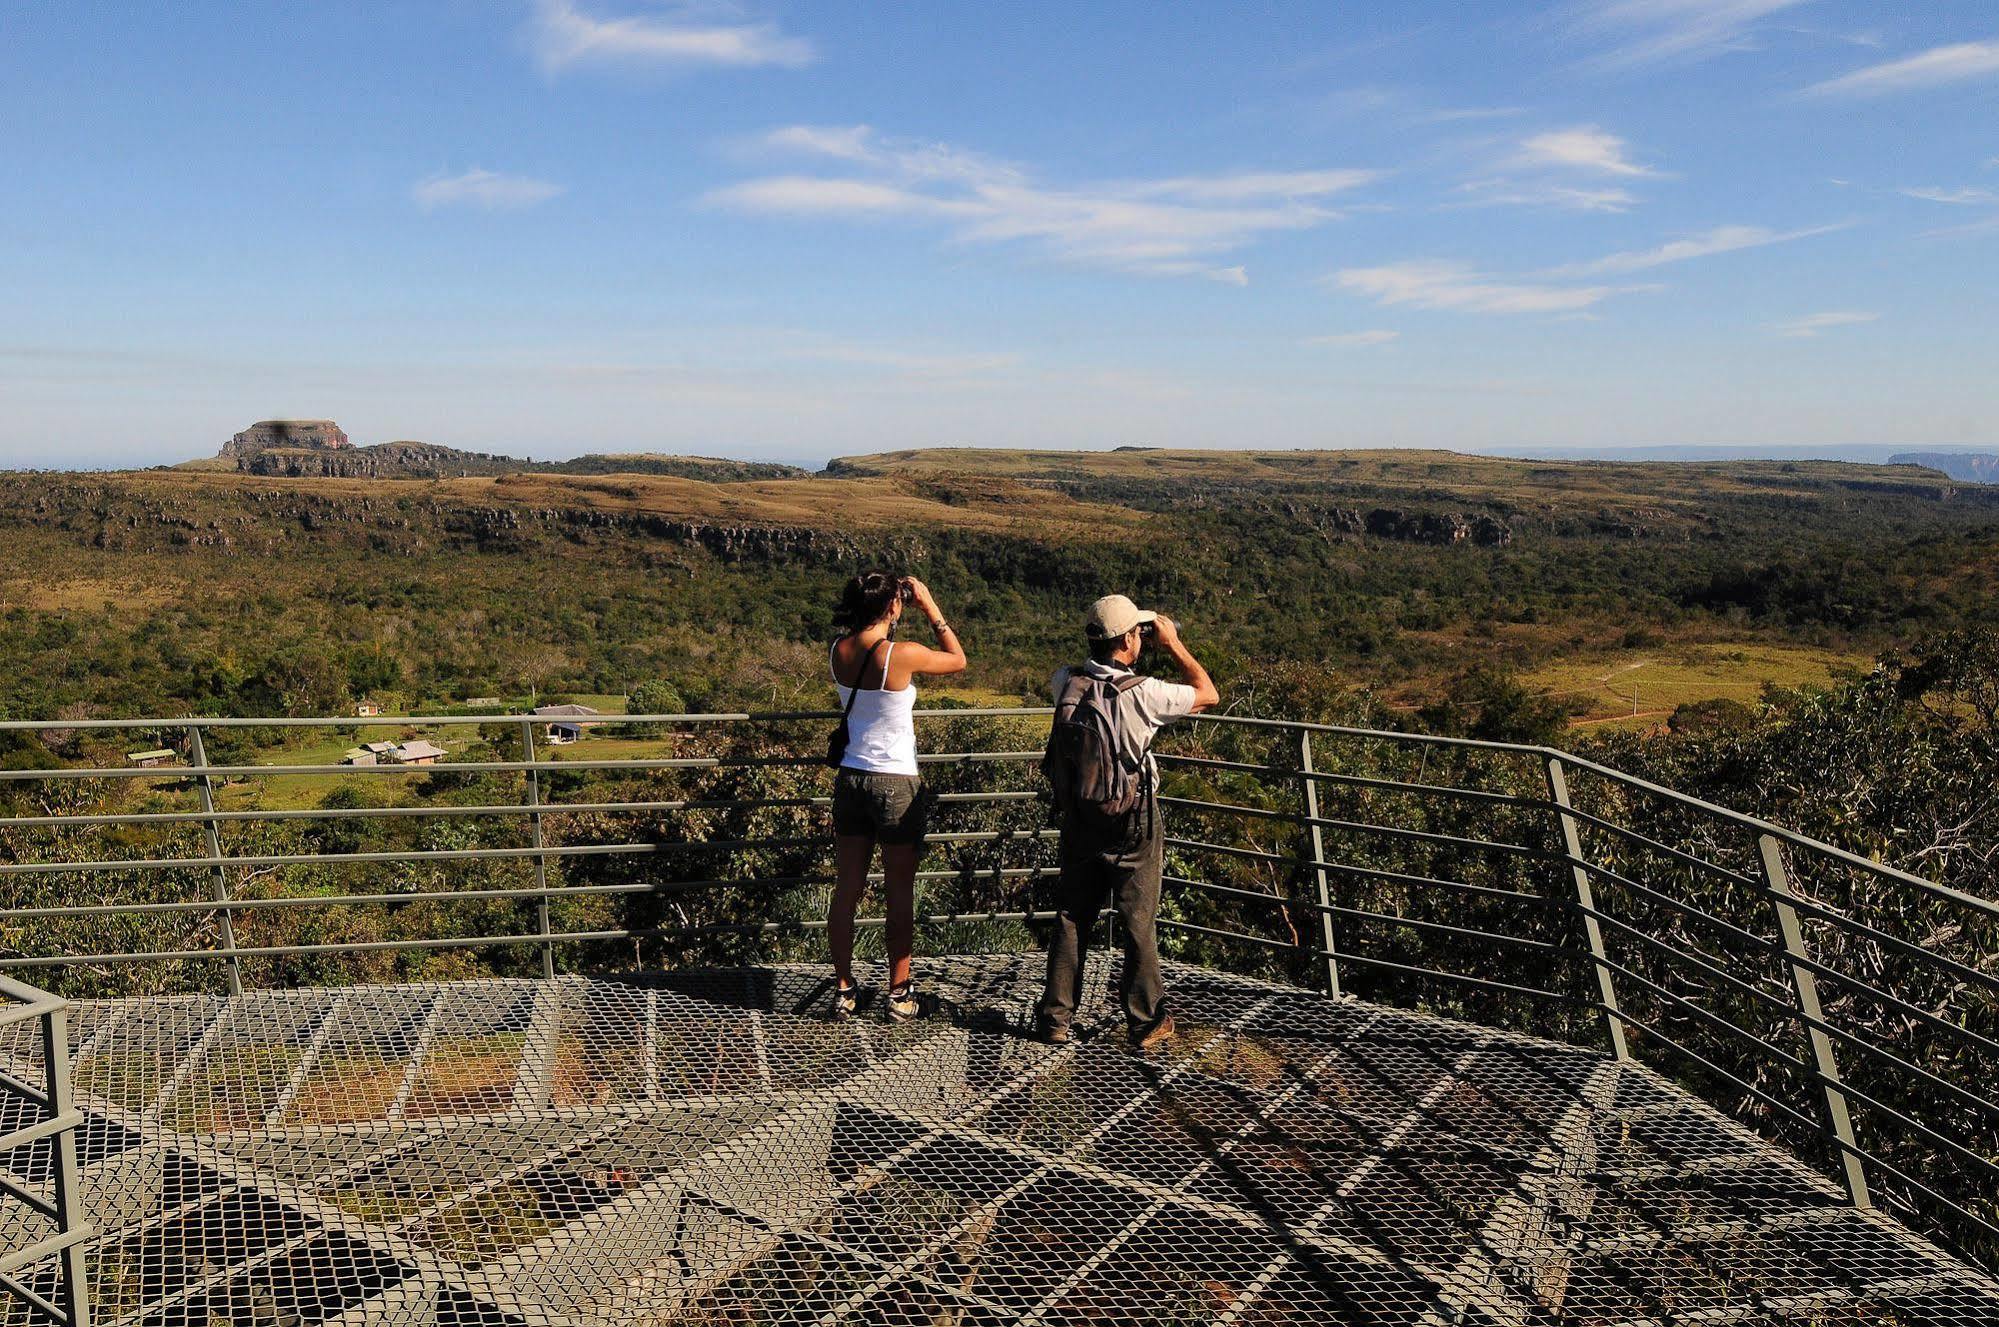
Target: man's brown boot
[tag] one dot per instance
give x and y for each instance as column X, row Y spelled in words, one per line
column 1156, row 1036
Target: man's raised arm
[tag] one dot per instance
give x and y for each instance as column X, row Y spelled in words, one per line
column 1166, row 633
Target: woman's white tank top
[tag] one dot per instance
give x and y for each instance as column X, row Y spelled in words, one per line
column 881, row 729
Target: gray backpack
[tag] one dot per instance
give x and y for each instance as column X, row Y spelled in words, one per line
column 1094, row 767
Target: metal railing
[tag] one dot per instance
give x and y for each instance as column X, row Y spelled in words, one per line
column 42, row 1231
column 1840, row 1005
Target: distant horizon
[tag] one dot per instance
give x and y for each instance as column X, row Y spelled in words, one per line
column 803, row 231
column 1663, row 453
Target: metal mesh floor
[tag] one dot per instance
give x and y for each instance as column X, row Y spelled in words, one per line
column 712, row 1149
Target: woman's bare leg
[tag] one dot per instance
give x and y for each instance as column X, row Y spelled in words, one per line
column 899, row 870
column 851, row 854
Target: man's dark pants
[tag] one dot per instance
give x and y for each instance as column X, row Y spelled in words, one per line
column 1123, row 871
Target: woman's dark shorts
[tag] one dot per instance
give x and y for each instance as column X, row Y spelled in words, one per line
column 888, row 808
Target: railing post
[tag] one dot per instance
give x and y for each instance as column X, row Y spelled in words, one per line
column 1317, row 839
column 1805, row 986
column 218, row 878
column 74, row 1291
column 1572, row 844
column 540, row 857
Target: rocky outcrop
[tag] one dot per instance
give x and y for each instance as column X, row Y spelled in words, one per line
column 1442, row 528
column 1965, row 467
column 387, row 460
column 320, row 435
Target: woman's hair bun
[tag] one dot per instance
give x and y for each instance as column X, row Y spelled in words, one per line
column 866, row 600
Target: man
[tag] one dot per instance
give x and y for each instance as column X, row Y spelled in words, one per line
column 1113, row 843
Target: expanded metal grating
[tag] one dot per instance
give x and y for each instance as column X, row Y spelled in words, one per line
column 711, row 1148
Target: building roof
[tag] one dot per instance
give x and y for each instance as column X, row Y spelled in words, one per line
column 158, row 753
column 418, row 750
column 378, row 747
column 565, row 711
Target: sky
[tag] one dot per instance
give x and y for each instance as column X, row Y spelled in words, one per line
column 793, row 231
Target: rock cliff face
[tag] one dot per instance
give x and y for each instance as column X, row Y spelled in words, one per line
column 1966, row 467
column 387, row 460
column 307, row 434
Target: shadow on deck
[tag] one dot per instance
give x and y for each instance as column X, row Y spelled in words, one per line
column 708, row 1148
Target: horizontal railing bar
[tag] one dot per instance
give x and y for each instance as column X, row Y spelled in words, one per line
column 1354, row 780
column 1868, row 1048
column 1359, row 826
column 1803, row 904
column 1692, row 859
column 322, row 900
column 46, row 1248
column 1788, row 1009
column 1372, row 734
column 493, row 766
column 1850, row 1090
column 1405, row 878
column 1395, row 919
column 1790, row 836
column 41, row 1129
column 1708, row 1016
column 1468, row 979
column 1312, row 863
column 29, row 1001
column 35, row 1299
column 546, row 808
column 1853, row 925
column 480, row 854
column 511, row 719
column 1777, row 1002
column 21, row 1193
column 1906, row 1178
column 1744, row 937
column 1797, row 1117
column 1263, row 940
column 667, row 887
column 1914, row 1011
column 489, row 941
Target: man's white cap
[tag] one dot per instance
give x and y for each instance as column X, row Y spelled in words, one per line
column 1114, row 615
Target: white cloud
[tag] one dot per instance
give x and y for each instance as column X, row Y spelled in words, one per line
column 1173, row 226
column 1645, row 32
column 1584, row 147
column 1530, row 193
column 490, row 190
column 1953, row 197
column 1931, row 68
column 1813, row 323
column 1375, row 337
column 1443, row 284
column 1722, row 239
column 563, row 35
column 1253, row 186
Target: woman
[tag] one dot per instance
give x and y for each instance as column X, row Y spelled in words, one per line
column 877, row 796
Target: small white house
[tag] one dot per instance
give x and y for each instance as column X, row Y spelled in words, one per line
column 570, row 722
column 359, row 755
column 367, row 709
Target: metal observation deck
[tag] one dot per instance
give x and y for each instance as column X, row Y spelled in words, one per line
column 1471, row 1034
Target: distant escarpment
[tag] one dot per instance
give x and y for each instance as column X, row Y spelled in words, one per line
column 707, row 469
column 386, row 460
column 1965, row 467
column 119, row 515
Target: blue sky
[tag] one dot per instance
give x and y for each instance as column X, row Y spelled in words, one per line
column 793, row 231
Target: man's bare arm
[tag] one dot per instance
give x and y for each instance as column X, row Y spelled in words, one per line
column 1167, row 634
